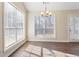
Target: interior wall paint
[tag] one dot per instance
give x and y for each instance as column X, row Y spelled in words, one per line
column 20, row 7
column 62, row 30
column 1, row 41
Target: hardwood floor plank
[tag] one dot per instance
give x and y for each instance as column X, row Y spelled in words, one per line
column 48, row 49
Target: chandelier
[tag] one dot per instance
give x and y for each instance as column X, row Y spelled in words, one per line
column 46, row 12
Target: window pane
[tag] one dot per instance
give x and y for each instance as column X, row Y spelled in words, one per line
column 19, row 26
column 74, row 27
column 10, row 16
column 20, row 35
column 9, row 36
column 9, row 24
column 19, row 21
column 44, row 25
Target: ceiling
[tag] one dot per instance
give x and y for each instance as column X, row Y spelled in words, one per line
column 38, row 6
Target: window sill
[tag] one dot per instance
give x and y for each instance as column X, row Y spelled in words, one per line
column 6, row 48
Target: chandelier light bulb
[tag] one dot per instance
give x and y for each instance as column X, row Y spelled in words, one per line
column 50, row 13
column 47, row 12
column 42, row 13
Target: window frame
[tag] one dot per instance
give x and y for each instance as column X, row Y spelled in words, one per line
column 23, row 29
column 54, row 34
column 73, row 29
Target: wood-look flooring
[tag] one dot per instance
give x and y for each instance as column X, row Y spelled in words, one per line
column 47, row 49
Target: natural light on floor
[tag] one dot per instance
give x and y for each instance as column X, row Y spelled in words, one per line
column 36, row 51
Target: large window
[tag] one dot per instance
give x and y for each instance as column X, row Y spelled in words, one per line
column 13, row 25
column 74, row 27
column 44, row 25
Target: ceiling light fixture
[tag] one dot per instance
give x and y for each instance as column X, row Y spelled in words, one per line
column 46, row 12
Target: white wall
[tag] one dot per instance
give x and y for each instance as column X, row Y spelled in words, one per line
column 1, row 34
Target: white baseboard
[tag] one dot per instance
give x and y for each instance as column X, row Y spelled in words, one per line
column 12, row 49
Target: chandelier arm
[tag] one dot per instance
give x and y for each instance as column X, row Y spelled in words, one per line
column 45, row 6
